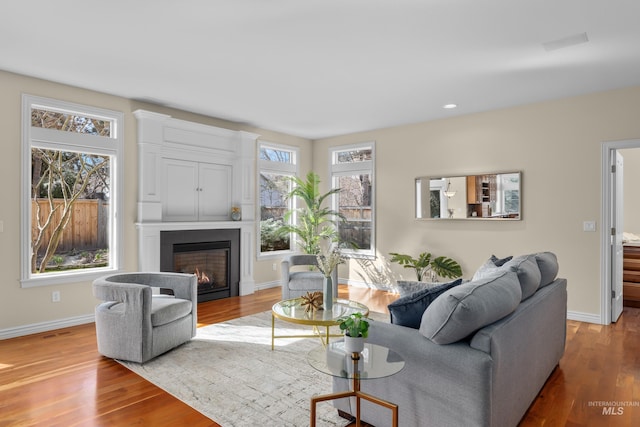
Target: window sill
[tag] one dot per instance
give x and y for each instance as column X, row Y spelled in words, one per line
column 48, row 279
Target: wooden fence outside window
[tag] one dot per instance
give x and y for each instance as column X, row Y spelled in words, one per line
column 87, row 228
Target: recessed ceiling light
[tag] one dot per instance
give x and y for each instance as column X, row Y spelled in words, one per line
column 449, row 106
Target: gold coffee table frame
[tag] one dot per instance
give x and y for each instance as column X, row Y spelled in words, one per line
column 292, row 311
column 355, row 392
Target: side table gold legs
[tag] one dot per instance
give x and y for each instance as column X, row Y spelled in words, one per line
column 355, row 392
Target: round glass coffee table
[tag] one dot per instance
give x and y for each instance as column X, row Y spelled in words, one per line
column 374, row 362
column 292, row 311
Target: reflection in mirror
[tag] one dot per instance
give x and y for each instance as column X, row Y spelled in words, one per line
column 485, row 196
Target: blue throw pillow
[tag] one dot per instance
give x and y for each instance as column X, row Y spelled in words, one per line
column 408, row 310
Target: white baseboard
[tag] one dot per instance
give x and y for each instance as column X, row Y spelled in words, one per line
column 35, row 328
column 584, row 317
column 267, row 285
column 363, row 284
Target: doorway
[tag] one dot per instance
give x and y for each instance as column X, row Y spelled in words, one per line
column 611, row 230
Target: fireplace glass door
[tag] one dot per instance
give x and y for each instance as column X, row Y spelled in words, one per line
column 208, row 261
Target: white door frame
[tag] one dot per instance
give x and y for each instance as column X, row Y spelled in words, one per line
column 608, row 150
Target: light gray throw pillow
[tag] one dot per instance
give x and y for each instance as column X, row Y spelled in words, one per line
column 408, row 287
column 464, row 309
column 488, row 269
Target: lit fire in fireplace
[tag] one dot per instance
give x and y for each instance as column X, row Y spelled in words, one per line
column 203, row 279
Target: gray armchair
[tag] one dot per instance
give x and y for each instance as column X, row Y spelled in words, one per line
column 298, row 283
column 134, row 325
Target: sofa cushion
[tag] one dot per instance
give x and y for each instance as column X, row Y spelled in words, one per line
column 526, row 266
column 548, row 265
column 528, row 272
column 464, row 309
column 408, row 310
column 167, row 309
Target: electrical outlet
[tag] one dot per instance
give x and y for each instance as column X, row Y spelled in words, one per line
column 55, row 296
column 589, row 226
column 274, row 267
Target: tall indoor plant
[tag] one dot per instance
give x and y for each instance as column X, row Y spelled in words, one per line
column 314, row 222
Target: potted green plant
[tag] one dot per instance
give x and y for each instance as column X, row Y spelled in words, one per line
column 313, row 221
column 356, row 329
column 425, row 263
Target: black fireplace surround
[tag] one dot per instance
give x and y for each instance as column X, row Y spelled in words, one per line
column 212, row 254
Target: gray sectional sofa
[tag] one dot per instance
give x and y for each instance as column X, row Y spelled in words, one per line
column 482, row 352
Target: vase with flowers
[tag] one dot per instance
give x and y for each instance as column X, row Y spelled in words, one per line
column 328, row 261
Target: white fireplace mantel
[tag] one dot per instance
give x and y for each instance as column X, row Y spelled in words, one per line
column 190, row 175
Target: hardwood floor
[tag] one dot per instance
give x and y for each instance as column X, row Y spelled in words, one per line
column 58, row 378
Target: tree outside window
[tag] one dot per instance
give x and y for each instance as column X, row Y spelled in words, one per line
column 70, row 155
column 352, row 172
column 277, row 166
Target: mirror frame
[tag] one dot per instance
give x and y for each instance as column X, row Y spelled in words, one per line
column 474, row 207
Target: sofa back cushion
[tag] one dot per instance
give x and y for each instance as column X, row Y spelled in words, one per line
column 529, row 269
column 526, row 267
column 464, row 309
column 548, row 265
column 408, row 310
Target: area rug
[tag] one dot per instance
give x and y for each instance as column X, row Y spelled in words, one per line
column 229, row 373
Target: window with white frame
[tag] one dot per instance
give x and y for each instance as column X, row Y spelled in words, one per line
column 277, row 165
column 71, row 191
column 352, row 170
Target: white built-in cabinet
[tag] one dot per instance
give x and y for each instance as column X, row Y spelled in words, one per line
column 196, row 191
column 193, row 172
column 189, row 177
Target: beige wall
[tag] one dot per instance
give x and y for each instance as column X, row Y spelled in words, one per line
column 556, row 145
column 22, row 307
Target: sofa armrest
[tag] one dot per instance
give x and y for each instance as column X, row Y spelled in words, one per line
column 184, row 286
column 127, row 293
column 525, row 346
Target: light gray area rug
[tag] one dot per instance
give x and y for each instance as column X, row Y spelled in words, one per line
column 229, row 373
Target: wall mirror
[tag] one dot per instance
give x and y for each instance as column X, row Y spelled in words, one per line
column 490, row 196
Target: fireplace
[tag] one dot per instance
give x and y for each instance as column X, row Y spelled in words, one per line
column 213, row 255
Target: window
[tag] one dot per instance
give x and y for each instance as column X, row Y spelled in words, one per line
column 277, row 165
column 507, row 194
column 352, row 170
column 70, row 191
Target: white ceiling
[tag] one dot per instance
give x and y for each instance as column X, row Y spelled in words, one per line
column 318, row 68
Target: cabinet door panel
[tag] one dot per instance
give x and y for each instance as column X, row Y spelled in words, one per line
column 180, row 190
column 215, row 197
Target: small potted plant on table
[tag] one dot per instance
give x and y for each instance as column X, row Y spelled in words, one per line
column 356, row 329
